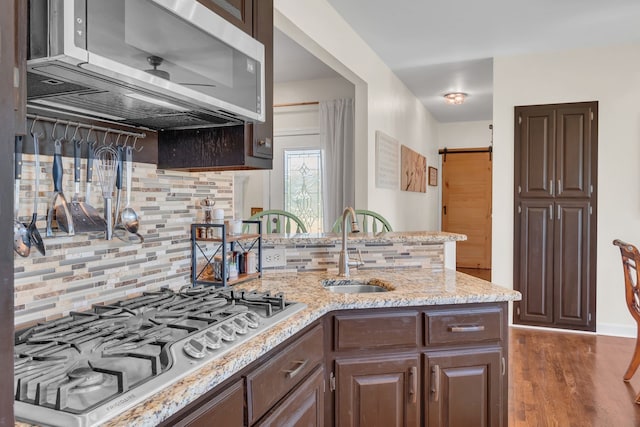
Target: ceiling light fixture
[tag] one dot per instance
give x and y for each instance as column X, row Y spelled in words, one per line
column 455, row 98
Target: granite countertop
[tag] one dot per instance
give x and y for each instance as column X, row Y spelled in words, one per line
column 381, row 238
column 411, row 287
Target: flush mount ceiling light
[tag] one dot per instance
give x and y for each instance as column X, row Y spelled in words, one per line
column 455, row 98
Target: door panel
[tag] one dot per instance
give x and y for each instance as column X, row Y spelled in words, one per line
column 572, row 262
column 377, row 392
column 535, row 281
column 466, row 201
column 460, row 389
column 573, row 152
column 536, row 143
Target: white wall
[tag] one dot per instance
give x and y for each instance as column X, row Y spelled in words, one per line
column 464, row 134
column 391, row 108
column 610, row 76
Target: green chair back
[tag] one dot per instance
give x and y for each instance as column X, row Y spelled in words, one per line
column 368, row 221
column 278, row 221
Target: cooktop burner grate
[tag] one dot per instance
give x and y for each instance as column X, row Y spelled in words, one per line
column 79, row 369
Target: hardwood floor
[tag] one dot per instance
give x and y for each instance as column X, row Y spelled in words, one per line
column 482, row 273
column 570, row 380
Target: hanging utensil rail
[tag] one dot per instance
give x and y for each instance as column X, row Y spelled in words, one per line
column 79, row 125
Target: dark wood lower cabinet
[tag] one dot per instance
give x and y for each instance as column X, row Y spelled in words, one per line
column 303, row 407
column 463, row 389
column 442, row 367
column 377, row 391
column 226, row 409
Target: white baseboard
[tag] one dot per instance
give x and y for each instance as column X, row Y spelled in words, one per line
column 610, row 329
column 616, row 330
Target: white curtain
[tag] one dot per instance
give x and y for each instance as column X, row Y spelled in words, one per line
column 336, row 135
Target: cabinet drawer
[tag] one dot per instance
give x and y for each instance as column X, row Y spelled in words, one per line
column 458, row 326
column 271, row 381
column 386, row 330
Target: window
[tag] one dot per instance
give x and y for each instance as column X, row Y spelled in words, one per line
column 303, row 186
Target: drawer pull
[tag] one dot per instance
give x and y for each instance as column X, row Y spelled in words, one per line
column 435, row 383
column 413, row 384
column 466, row 328
column 293, row 372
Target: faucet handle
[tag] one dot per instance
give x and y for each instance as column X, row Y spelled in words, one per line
column 358, row 261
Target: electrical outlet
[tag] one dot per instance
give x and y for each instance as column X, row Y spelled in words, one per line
column 273, row 257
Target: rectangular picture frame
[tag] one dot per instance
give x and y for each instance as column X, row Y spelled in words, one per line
column 433, row 176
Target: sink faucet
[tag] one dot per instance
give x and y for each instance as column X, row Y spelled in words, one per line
column 343, row 264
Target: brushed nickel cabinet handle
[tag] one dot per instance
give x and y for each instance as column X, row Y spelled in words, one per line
column 413, row 384
column 466, row 328
column 551, row 187
column 435, row 383
column 293, row 372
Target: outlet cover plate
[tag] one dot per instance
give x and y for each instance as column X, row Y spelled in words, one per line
column 273, row 257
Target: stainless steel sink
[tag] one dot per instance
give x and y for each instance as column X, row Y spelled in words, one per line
column 355, row 286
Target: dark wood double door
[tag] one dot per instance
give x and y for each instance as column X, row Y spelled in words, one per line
column 555, row 215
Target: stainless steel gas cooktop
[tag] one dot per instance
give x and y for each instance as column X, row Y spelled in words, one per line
column 84, row 369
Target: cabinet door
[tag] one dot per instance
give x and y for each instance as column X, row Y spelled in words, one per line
column 571, row 263
column 377, row 391
column 573, row 151
column 464, row 388
column 534, row 261
column 303, row 407
column 226, row 409
column 260, row 135
column 535, row 145
column 238, row 12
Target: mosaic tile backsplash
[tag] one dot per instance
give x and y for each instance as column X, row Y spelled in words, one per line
column 325, row 257
column 84, row 269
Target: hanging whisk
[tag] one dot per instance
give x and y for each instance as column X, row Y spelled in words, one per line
column 106, row 168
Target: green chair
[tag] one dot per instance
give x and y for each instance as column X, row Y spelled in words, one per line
column 278, row 221
column 367, row 221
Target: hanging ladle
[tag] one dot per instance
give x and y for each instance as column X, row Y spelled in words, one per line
column 21, row 241
column 129, row 217
column 34, row 234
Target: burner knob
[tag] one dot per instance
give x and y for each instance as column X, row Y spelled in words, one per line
column 227, row 333
column 194, row 348
column 213, row 339
column 240, row 325
column 253, row 319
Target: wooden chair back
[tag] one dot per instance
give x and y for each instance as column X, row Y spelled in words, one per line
column 279, row 221
column 631, row 266
column 368, row 221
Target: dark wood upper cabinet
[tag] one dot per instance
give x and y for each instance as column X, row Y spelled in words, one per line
column 238, row 12
column 247, row 146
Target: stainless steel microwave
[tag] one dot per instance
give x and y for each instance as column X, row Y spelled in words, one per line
column 161, row 64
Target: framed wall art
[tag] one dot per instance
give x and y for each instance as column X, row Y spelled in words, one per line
column 413, row 170
column 387, row 161
column 433, row 176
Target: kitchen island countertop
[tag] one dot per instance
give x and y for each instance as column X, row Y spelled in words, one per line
column 426, row 237
column 411, row 287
